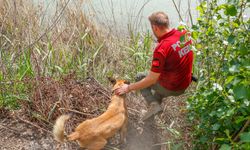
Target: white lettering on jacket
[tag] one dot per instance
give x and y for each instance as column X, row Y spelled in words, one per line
column 177, row 44
column 183, row 51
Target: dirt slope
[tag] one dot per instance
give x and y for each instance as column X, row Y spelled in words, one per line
column 166, row 131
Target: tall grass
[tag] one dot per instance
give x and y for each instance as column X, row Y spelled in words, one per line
column 34, row 44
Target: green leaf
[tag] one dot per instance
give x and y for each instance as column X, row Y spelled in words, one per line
column 195, row 27
column 97, row 51
column 130, row 49
column 200, row 9
column 59, row 68
column 235, row 24
column 225, row 147
column 203, row 139
column 182, row 39
column 245, row 137
column 216, row 126
column 236, row 80
column 195, row 35
column 227, row 133
column 246, row 102
column 240, row 91
column 230, row 112
column 231, row 39
column 220, row 139
column 229, row 79
column 243, row 50
column 222, row 6
column 233, row 69
column 210, row 31
column 240, row 119
column 181, row 27
column 230, row 10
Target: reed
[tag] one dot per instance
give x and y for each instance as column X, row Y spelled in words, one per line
column 36, row 42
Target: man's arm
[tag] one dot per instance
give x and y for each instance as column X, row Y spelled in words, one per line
column 150, row 79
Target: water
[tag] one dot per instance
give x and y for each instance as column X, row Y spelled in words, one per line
column 133, row 14
column 125, row 15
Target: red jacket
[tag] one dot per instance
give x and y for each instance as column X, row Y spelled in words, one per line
column 173, row 60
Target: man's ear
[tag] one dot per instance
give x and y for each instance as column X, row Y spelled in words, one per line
column 154, row 27
column 127, row 82
column 112, row 80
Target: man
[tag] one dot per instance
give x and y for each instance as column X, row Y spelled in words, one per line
column 171, row 69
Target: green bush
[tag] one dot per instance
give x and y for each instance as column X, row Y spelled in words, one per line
column 220, row 107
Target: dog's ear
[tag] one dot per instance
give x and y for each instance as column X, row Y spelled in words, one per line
column 112, row 80
column 126, row 82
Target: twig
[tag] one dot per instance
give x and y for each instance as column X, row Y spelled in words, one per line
column 104, row 94
column 30, row 123
column 46, row 31
column 189, row 12
column 136, row 22
column 159, row 144
column 242, row 130
column 134, row 110
column 52, row 110
column 100, row 85
column 178, row 11
column 51, row 26
column 75, row 111
column 113, row 16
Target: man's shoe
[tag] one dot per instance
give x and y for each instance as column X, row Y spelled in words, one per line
column 154, row 108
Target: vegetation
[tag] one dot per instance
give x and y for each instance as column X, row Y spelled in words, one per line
column 34, row 45
column 220, row 108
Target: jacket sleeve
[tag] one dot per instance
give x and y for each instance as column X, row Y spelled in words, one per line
column 157, row 62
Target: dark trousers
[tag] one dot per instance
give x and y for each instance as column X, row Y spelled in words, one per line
column 155, row 93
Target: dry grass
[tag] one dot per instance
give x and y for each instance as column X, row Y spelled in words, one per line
column 63, row 40
column 36, row 43
column 55, row 40
column 52, row 98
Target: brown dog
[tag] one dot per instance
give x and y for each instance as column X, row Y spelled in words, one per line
column 93, row 133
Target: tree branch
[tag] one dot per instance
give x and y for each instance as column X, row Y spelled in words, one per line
column 242, row 130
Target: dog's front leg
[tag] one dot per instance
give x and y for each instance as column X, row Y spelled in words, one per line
column 123, row 132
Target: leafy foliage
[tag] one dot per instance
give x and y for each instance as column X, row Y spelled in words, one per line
column 220, row 108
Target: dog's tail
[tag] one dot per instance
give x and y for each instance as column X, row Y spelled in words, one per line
column 58, row 129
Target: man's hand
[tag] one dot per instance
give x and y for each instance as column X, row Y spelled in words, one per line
column 122, row 90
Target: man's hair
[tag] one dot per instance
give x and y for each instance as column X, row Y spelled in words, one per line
column 159, row 19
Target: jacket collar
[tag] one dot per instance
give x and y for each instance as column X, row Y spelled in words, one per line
column 166, row 35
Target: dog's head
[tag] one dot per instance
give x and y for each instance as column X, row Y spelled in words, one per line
column 117, row 83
